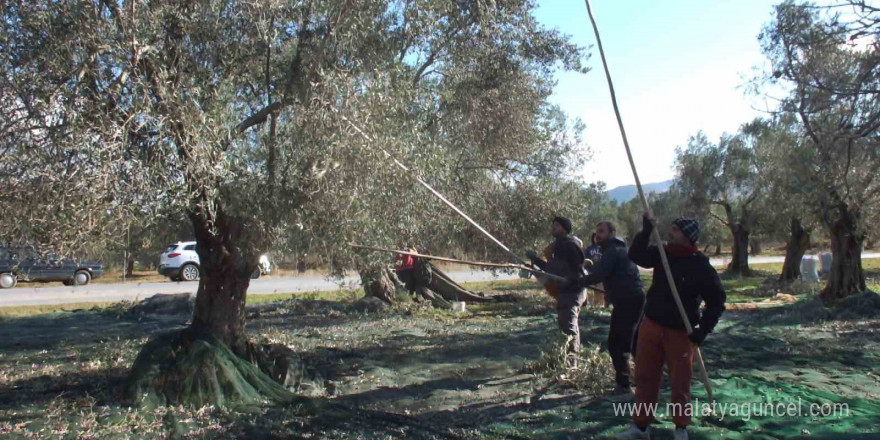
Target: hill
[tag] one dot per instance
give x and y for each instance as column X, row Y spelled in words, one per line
column 626, row 193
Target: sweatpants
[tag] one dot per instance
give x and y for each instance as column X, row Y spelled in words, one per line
column 658, row 345
column 625, row 318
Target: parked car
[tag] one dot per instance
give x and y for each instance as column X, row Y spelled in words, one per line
column 7, row 277
column 27, row 266
column 180, row 262
column 265, row 266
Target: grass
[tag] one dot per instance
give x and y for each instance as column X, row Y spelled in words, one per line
column 139, row 276
column 32, row 310
column 22, row 311
column 343, row 295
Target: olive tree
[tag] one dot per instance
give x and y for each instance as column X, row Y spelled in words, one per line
column 828, row 60
column 242, row 115
column 724, row 175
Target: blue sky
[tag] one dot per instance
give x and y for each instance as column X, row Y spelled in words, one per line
column 678, row 66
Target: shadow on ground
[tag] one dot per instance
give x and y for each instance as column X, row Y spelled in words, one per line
column 419, row 373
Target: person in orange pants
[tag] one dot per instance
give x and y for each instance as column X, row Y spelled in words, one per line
column 662, row 338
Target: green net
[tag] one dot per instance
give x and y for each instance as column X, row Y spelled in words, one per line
column 794, row 372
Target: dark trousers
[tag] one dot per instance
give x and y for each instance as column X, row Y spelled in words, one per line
column 568, row 307
column 406, row 276
column 625, row 318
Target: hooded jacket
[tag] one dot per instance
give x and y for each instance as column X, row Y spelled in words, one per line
column 620, row 275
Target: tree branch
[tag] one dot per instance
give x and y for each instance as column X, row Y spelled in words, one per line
column 261, row 116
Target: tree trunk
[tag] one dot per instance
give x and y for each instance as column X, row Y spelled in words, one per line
column 129, row 267
column 435, row 299
column 847, row 276
column 717, row 248
column 211, row 362
column 739, row 264
column 224, row 280
column 423, row 277
column 755, row 246
column 798, row 243
column 378, row 283
column 452, row 291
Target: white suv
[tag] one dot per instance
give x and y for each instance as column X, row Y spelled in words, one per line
column 180, row 262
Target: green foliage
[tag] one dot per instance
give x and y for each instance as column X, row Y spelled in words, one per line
column 721, row 180
column 827, row 59
column 249, row 114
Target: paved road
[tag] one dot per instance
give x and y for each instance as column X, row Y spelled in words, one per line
column 33, row 294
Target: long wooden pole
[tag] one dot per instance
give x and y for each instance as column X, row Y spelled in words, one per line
column 446, row 259
column 515, row 257
column 471, row 263
column 704, row 375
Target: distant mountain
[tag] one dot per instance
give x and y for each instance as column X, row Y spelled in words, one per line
column 626, row 193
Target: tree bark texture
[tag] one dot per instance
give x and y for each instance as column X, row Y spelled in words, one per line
column 847, row 276
column 798, row 243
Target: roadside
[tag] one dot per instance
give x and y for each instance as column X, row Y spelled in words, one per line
column 38, row 294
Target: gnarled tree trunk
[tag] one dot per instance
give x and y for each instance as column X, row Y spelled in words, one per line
column 798, row 243
column 739, row 264
column 847, row 276
column 378, row 283
column 452, row 291
column 211, row 361
column 224, row 280
column 755, row 247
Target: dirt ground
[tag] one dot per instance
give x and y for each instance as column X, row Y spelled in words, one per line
column 415, row 372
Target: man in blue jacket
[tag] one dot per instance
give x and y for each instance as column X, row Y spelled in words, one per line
column 624, row 289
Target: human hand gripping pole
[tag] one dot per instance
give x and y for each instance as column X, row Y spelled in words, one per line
column 704, row 375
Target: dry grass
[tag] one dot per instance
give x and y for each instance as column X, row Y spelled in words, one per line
column 22, row 311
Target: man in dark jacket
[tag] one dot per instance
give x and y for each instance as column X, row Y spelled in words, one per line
column 624, row 289
column 662, row 335
column 566, row 260
column 593, row 253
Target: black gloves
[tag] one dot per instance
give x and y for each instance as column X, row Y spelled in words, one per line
column 647, row 225
column 698, row 336
column 532, row 255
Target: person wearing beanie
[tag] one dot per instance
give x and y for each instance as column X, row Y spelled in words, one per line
column 566, row 259
column 662, row 338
